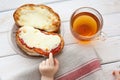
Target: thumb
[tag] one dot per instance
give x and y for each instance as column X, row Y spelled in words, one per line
column 116, row 74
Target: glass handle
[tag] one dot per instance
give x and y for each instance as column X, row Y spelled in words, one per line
column 102, row 36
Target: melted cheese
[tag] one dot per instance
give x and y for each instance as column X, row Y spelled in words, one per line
column 35, row 38
column 38, row 18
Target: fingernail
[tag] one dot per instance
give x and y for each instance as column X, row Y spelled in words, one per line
column 113, row 73
column 51, row 53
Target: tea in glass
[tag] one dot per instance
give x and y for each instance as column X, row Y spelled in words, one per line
column 86, row 23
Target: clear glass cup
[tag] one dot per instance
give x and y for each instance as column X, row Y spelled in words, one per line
column 86, row 24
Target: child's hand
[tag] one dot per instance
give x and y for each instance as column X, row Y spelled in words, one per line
column 48, row 68
column 117, row 75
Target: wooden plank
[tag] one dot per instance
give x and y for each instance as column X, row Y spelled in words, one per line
column 108, row 50
column 6, row 21
column 8, row 5
column 111, row 26
column 5, row 47
column 67, row 35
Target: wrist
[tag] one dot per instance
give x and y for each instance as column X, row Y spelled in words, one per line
column 47, row 77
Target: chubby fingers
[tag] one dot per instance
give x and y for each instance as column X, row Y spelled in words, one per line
column 48, row 62
column 116, row 74
column 42, row 65
column 51, row 59
column 56, row 63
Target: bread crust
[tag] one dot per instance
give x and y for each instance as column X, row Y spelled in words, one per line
column 17, row 15
column 39, row 52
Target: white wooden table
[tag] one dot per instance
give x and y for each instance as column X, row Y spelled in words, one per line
column 108, row 50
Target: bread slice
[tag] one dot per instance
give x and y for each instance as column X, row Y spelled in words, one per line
column 38, row 16
column 38, row 43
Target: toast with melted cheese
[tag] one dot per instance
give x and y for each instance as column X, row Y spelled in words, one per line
column 39, row 16
column 38, row 43
column 38, row 27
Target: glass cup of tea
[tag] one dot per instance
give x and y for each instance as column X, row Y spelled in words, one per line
column 86, row 23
